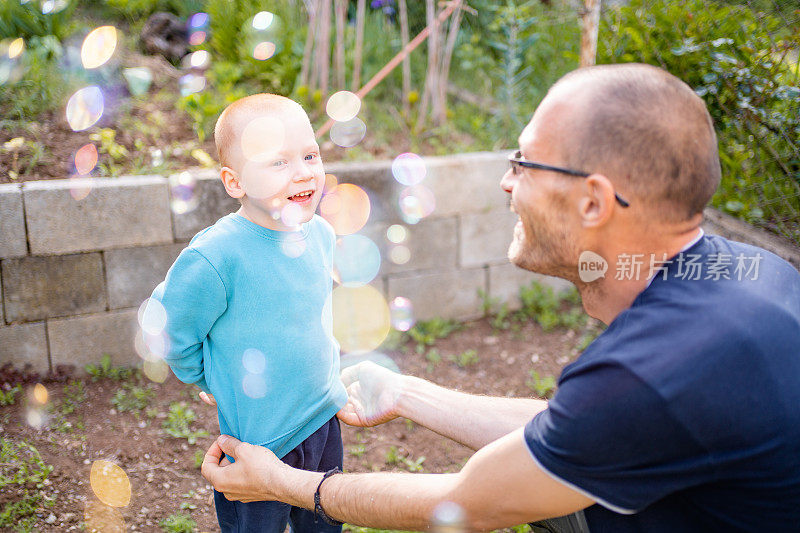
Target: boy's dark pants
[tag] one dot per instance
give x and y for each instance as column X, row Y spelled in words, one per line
column 320, row 452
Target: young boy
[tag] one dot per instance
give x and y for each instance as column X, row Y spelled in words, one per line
column 247, row 318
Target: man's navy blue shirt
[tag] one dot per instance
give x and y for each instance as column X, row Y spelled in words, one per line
column 684, row 415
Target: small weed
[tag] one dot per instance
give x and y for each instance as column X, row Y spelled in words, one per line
column 434, row 358
column 178, row 523
column 412, row 465
column 357, row 450
column 151, row 412
column 9, row 397
column 502, row 319
column 487, row 302
column 410, row 425
column 188, row 505
column 105, row 370
column 132, row 398
column 179, row 418
column 109, row 146
column 198, row 458
column 393, row 456
column 74, row 395
column 545, row 306
column 22, row 476
column 465, row 358
column 542, row 386
column 426, row 333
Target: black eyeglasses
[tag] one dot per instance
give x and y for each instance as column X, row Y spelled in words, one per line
column 516, row 160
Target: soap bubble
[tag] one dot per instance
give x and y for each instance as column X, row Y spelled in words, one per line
column 183, row 197
column 110, row 483
column 151, row 347
column 396, row 233
column 378, row 358
column 293, row 247
column 254, row 386
column 102, row 518
column 261, row 138
column 98, row 46
column 346, row 207
column 263, row 35
column 156, row 370
column 360, row 318
column 343, row 106
column 196, row 60
column 357, row 260
column 80, row 187
column 409, row 169
column 138, row 79
column 12, row 68
column 85, row 159
column 292, row 215
column 40, row 394
column 330, row 183
column 84, row 108
column 152, row 316
column 254, row 361
column 197, row 28
column 399, row 255
column 191, row 83
column 36, row 418
column 16, row 47
column 402, row 313
column 348, row 134
column 416, row 203
column 50, row 7
column 449, row 517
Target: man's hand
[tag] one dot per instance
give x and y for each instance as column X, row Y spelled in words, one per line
column 373, row 394
column 254, row 476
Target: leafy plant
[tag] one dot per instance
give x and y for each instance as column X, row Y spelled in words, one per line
column 178, row 523
column 132, row 398
column 543, row 386
column 426, row 333
column 544, row 305
column 74, row 395
column 105, row 370
column 357, row 450
column 178, row 423
column 22, row 477
column 466, row 358
column 392, row 455
column 198, row 458
column 29, row 19
column 413, row 465
column 9, row 397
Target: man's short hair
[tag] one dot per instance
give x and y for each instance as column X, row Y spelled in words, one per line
column 648, row 132
column 241, row 110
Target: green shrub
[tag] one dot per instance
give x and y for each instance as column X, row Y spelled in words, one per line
column 22, row 477
column 27, row 20
column 178, row 523
column 178, row 423
column 743, row 63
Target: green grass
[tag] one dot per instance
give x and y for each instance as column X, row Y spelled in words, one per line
column 22, row 477
column 132, row 398
column 178, row 523
column 542, row 386
column 104, row 370
column 9, row 397
column 178, row 422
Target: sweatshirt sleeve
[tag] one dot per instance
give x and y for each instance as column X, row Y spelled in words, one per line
column 194, row 297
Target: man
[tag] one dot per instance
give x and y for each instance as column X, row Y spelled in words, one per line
column 684, row 415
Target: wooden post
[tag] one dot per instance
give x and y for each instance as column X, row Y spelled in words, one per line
column 360, row 16
column 340, row 12
column 591, row 22
column 455, row 22
column 313, row 14
column 324, row 50
column 406, row 61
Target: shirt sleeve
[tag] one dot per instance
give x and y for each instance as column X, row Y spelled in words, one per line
column 193, row 296
column 610, row 436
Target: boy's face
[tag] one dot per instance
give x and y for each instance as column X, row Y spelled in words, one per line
column 279, row 169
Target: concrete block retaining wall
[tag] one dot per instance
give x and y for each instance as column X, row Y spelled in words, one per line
column 73, row 272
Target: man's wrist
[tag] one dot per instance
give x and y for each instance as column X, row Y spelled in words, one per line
column 409, row 389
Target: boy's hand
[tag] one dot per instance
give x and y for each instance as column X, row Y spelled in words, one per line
column 373, row 393
column 208, row 398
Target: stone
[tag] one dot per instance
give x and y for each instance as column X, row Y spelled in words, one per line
column 118, row 212
column 484, row 237
column 50, row 286
column 86, row 339
column 506, row 280
column 450, row 294
column 431, row 244
column 133, row 273
column 213, row 203
column 467, row 183
column 24, row 344
column 12, row 222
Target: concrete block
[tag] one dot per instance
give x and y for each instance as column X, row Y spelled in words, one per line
column 484, row 237
column 431, row 244
column 12, row 222
column 24, row 344
column 449, row 294
column 118, row 212
column 467, row 183
column 86, row 339
column 42, row 287
column 506, row 280
column 133, row 273
column 213, row 203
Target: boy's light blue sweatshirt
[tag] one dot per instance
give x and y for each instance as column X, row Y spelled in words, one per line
column 249, row 323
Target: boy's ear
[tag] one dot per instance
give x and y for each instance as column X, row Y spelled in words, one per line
column 230, row 180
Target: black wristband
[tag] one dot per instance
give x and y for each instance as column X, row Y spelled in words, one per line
column 318, row 510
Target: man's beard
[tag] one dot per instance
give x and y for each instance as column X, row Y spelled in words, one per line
column 546, row 248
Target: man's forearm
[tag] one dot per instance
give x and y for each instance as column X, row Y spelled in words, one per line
column 472, row 420
column 381, row 500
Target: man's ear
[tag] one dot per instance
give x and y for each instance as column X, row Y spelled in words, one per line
column 230, row 179
column 597, row 202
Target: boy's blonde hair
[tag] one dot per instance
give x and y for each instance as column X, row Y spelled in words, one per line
column 232, row 120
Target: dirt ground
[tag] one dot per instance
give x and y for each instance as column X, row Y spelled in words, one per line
column 162, row 469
